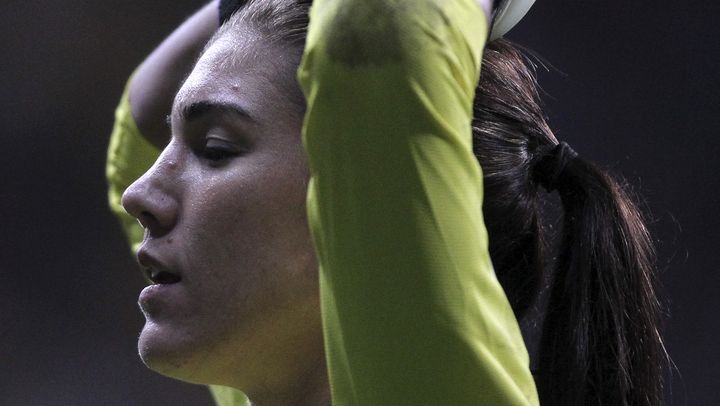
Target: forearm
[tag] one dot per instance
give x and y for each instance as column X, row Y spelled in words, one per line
column 412, row 311
column 158, row 78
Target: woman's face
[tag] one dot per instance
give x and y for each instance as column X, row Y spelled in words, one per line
column 235, row 298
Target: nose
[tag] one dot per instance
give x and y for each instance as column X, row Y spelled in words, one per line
column 151, row 199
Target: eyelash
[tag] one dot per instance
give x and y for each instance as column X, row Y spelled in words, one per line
column 216, row 152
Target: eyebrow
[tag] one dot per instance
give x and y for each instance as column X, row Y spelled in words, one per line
column 200, row 109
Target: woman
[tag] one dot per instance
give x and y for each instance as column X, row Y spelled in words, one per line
column 412, row 312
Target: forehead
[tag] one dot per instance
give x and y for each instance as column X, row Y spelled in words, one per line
column 237, row 68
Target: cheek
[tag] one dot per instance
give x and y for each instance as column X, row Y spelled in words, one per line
column 249, row 247
column 252, row 215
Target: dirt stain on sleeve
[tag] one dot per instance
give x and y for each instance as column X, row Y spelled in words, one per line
column 363, row 35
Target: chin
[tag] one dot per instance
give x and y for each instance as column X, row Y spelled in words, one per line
column 172, row 356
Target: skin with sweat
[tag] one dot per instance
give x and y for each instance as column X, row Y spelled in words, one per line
column 224, row 210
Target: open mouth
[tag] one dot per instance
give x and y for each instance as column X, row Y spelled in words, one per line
column 162, row 277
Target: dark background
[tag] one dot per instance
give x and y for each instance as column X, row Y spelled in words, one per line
column 636, row 89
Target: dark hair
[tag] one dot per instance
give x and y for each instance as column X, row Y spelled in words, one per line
column 283, row 21
column 600, row 343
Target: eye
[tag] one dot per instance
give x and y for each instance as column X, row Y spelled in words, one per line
column 217, row 151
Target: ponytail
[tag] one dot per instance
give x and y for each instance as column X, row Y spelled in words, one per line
column 600, row 337
column 600, row 343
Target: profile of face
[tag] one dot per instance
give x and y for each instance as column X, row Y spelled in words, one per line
column 227, row 245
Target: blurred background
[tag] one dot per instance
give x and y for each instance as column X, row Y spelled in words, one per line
column 635, row 88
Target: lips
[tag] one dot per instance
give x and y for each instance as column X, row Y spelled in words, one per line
column 162, row 277
column 155, row 271
column 165, row 292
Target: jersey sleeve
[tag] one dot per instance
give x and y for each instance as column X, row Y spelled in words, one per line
column 129, row 156
column 412, row 311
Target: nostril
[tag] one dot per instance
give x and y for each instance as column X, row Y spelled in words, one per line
column 147, row 220
column 143, row 223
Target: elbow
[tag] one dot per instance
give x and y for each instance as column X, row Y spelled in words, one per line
column 373, row 32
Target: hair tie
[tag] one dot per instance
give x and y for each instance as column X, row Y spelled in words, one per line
column 549, row 169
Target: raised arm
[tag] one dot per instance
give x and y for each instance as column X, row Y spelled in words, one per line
column 158, row 78
column 412, row 311
column 140, row 130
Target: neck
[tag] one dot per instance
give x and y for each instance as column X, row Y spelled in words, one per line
column 277, row 369
column 311, row 388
